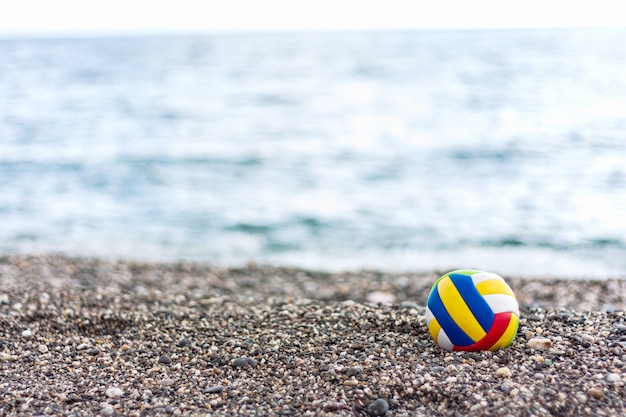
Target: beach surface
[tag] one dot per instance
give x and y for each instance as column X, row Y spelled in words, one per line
column 82, row 337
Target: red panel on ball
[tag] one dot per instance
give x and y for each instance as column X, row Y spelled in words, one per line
column 499, row 326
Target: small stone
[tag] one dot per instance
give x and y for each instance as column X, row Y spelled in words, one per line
column 354, row 371
column 42, row 348
column 581, row 398
column 504, row 372
column 539, row 343
column 596, row 393
column 244, row 362
column 334, row 406
column 107, row 411
column 127, row 343
column 613, row 377
column 409, row 304
column 216, row 389
column 93, row 352
column 82, row 346
column 381, row 297
column 27, row 333
column 114, row 392
column 352, row 382
column 164, row 359
column 7, row 357
column 166, row 382
column 378, row 407
column 184, row 343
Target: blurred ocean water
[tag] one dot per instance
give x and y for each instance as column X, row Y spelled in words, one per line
column 500, row 150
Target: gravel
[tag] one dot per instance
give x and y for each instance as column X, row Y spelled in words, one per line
column 129, row 338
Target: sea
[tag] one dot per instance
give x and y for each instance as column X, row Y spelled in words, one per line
column 501, row 150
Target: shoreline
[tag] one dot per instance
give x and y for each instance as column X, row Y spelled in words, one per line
column 86, row 336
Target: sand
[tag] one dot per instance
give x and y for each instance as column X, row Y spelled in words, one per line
column 88, row 337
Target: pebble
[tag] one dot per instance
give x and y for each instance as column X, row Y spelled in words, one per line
column 114, row 392
column 409, row 304
column 351, row 382
column 27, row 333
column 107, row 411
column 244, row 362
column 42, row 348
column 166, row 382
column 613, row 377
column 378, row 407
column 216, row 389
column 334, row 406
column 381, row 297
column 504, row 372
column 596, row 393
column 539, row 343
column 354, row 371
column 164, row 359
column 7, row 357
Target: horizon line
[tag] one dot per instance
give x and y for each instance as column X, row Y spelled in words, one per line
column 275, row 31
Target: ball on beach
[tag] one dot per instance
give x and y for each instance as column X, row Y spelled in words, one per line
column 472, row 310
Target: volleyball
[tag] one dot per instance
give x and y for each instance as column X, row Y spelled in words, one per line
column 472, row 310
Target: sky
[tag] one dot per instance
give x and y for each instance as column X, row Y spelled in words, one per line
column 59, row 17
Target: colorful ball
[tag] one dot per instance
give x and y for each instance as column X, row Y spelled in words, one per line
column 472, row 310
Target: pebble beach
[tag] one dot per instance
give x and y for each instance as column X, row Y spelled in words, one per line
column 85, row 336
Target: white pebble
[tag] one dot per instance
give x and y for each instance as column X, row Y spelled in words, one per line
column 539, row 343
column 504, row 372
column 42, row 348
column 7, row 357
column 114, row 392
column 587, row 337
column 107, row 411
column 4, row 298
column 27, row 333
column 381, row 297
column 450, row 369
column 82, row 346
column 166, row 381
column 450, row 379
column 613, row 377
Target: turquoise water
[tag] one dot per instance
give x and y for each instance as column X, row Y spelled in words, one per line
column 500, row 150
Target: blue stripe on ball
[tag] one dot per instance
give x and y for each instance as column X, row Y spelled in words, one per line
column 474, row 300
column 456, row 335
